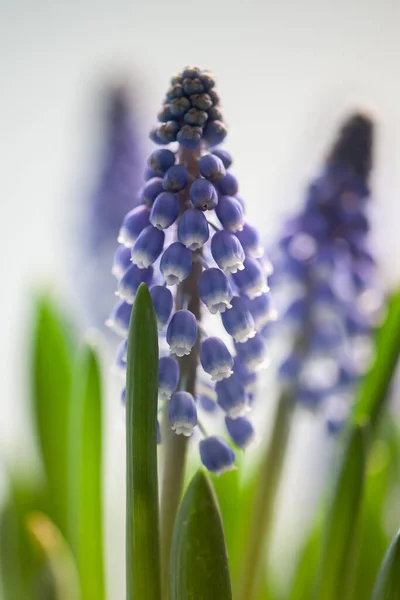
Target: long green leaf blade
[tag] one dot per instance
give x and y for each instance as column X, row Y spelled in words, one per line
column 58, row 556
column 387, row 585
column 142, row 530
column 51, row 389
column 338, row 554
column 199, row 562
column 86, row 488
column 374, row 391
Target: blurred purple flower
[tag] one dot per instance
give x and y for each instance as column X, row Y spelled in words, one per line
column 323, row 264
column 114, row 194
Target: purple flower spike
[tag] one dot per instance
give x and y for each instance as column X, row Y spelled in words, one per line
column 172, row 243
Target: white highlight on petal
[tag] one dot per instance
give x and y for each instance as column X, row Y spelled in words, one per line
column 256, row 251
column 116, row 327
column 141, row 259
column 164, row 393
column 240, row 410
column 174, row 275
column 256, row 289
column 194, row 242
column 160, row 222
column 220, row 372
column 218, row 304
column 183, row 428
column 257, row 363
column 244, row 334
column 180, row 347
column 232, row 265
column 125, row 293
column 126, row 238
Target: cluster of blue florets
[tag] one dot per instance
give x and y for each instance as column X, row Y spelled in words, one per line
column 190, row 214
column 328, row 274
column 190, row 112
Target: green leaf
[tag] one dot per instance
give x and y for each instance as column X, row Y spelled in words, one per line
column 51, row 389
column 387, row 585
column 374, row 391
column 304, row 579
column 142, row 531
column 339, row 550
column 373, row 538
column 199, row 563
column 227, row 490
column 58, row 555
column 20, row 568
column 85, row 471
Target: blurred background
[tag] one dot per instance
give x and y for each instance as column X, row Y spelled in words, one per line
column 287, row 76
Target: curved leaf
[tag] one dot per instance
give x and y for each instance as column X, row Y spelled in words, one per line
column 375, row 387
column 199, row 563
column 142, row 531
column 387, row 585
column 86, row 488
column 57, row 554
column 51, row 387
column 338, row 554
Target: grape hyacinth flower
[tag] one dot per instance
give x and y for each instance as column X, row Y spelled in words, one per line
column 189, row 241
column 112, row 197
column 325, row 264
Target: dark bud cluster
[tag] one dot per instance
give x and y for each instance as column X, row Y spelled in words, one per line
column 190, row 112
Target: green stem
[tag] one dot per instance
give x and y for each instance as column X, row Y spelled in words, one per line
column 172, row 485
column 176, row 445
column 264, row 501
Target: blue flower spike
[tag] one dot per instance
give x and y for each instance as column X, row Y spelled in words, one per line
column 189, row 242
column 320, row 255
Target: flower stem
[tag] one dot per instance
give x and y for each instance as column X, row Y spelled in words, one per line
column 265, row 495
column 176, row 445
